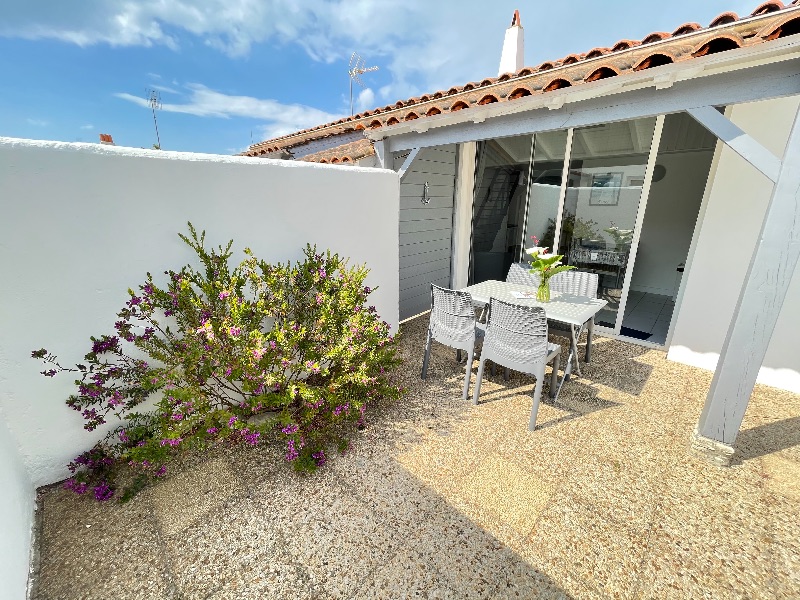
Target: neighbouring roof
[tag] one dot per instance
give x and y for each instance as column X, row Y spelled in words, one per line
column 771, row 20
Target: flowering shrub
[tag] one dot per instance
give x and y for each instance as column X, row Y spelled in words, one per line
column 232, row 355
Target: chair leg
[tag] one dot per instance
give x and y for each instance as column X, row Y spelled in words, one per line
column 477, row 390
column 493, row 369
column 554, row 377
column 537, row 394
column 458, row 356
column 505, row 374
column 427, row 357
column 468, row 369
column 589, row 332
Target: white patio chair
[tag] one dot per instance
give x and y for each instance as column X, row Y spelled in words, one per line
column 519, row 273
column 576, row 283
column 453, row 323
column 516, row 337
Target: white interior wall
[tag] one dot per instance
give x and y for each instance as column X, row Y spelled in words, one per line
column 669, row 221
column 82, row 223
column 16, row 506
column 734, row 212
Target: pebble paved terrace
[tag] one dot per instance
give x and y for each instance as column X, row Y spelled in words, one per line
column 440, row 499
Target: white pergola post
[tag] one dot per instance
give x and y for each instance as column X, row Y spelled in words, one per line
column 761, row 298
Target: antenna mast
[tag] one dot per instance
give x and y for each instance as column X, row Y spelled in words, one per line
column 154, row 102
column 355, row 71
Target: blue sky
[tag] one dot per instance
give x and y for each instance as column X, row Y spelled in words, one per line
column 230, row 71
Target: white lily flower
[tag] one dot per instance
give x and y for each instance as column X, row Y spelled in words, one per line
column 536, row 250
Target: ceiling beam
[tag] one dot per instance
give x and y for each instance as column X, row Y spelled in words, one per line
column 737, row 140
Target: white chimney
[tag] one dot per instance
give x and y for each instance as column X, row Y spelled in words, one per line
column 513, row 57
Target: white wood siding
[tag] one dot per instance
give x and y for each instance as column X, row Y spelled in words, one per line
column 426, row 230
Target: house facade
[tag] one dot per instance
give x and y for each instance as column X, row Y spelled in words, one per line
column 662, row 164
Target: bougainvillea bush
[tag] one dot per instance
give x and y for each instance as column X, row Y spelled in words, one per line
column 232, row 355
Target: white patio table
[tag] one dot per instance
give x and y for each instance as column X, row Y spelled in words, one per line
column 565, row 308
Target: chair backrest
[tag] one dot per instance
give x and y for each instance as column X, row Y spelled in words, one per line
column 577, row 283
column 452, row 317
column 519, row 273
column 516, row 336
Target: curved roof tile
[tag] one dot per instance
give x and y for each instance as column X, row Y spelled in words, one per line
column 656, row 36
column 686, row 28
column 724, row 19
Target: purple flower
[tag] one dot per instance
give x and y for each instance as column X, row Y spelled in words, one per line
column 162, row 470
column 251, row 437
column 171, row 441
column 367, row 290
column 135, row 300
column 322, row 274
column 291, row 451
column 212, row 430
column 177, row 417
column 341, row 409
column 103, row 492
column 320, row 457
column 234, row 331
column 105, row 345
column 123, row 436
column 231, row 421
column 224, row 294
column 290, row 429
column 76, row 486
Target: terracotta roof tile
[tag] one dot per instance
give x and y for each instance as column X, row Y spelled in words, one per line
column 768, row 7
column 346, row 153
column 687, row 28
column 770, row 20
column 724, row 19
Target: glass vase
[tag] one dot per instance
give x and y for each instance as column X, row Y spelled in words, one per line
column 543, row 292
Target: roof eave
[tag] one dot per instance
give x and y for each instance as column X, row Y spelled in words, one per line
column 658, row 77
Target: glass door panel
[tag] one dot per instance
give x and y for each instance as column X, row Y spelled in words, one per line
column 501, row 182
column 604, row 188
column 544, row 194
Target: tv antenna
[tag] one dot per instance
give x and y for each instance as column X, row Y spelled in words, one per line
column 355, row 72
column 154, row 102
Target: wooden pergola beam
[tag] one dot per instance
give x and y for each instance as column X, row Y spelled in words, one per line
column 772, row 266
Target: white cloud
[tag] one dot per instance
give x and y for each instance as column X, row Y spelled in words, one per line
column 364, row 101
column 205, row 102
column 87, row 127
column 164, row 88
column 37, row 122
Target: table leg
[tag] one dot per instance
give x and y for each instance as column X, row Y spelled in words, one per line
column 573, row 351
column 589, row 333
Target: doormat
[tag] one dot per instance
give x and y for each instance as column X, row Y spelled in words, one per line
column 634, row 333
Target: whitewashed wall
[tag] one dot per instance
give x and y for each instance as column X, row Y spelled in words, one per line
column 16, row 506
column 81, row 223
column 734, row 211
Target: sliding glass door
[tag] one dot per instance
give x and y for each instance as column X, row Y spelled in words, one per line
column 501, row 183
column 579, row 191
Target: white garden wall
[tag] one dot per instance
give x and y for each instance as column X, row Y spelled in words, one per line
column 16, row 506
column 734, row 211
column 81, row 223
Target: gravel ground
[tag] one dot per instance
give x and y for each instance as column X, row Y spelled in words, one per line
column 442, row 499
